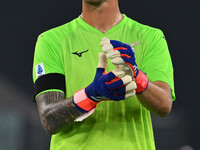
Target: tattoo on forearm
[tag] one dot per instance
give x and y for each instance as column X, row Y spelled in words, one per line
column 55, row 111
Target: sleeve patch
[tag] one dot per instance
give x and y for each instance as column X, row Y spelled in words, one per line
column 40, row 70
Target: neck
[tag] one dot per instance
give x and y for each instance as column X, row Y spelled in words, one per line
column 103, row 16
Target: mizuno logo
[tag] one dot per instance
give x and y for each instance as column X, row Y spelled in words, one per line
column 80, row 54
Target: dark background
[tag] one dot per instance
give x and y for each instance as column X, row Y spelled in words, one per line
column 22, row 21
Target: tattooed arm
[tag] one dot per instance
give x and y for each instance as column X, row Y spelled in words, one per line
column 55, row 111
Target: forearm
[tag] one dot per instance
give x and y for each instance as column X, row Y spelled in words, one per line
column 157, row 98
column 55, row 111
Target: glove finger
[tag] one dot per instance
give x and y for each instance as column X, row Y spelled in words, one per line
column 131, row 86
column 126, row 79
column 125, row 89
column 112, row 75
column 104, row 41
column 118, row 61
column 128, row 60
column 130, row 93
column 118, row 83
column 112, row 54
column 121, row 93
column 122, row 61
column 103, row 61
column 125, row 68
column 107, row 48
column 115, row 43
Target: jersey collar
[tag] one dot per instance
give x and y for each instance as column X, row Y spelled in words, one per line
column 90, row 28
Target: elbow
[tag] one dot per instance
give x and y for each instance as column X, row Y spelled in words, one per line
column 165, row 109
column 48, row 127
column 49, row 130
column 47, row 123
column 163, row 113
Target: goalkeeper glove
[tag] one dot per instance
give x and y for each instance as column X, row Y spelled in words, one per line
column 114, row 85
column 123, row 56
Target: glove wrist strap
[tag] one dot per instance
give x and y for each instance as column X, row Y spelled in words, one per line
column 142, row 82
column 82, row 102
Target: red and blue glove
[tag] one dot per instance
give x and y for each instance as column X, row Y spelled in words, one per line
column 123, row 56
column 114, row 85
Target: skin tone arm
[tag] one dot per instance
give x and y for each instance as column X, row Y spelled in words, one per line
column 157, row 98
column 55, row 111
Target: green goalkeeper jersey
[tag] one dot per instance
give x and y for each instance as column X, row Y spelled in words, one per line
column 72, row 50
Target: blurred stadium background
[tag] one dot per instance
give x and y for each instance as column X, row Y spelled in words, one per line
column 22, row 21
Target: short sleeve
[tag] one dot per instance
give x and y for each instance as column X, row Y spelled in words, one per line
column 47, row 65
column 157, row 61
column 47, row 57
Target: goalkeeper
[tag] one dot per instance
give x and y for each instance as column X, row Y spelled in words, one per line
column 97, row 93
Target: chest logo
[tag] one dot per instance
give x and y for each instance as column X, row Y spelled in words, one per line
column 79, row 54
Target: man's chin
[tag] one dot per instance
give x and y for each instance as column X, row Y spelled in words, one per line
column 94, row 2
